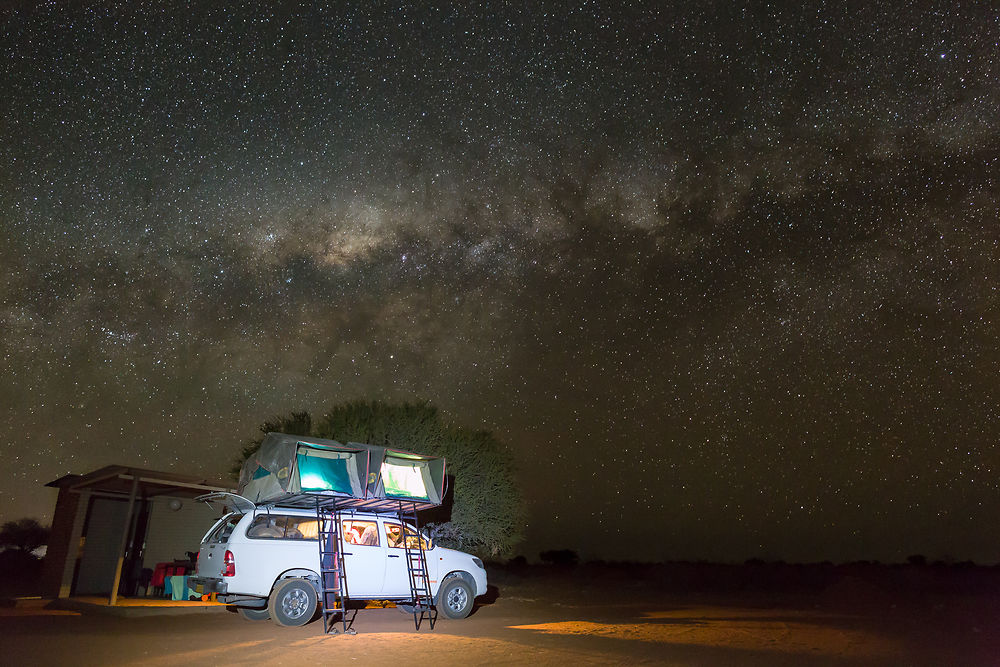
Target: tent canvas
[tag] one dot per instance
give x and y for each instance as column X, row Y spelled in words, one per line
column 288, row 465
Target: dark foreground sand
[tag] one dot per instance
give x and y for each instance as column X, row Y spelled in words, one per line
column 681, row 615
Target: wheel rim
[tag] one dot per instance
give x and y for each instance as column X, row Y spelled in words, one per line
column 294, row 603
column 457, row 599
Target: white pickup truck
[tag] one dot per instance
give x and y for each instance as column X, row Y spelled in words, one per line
column 265, row 561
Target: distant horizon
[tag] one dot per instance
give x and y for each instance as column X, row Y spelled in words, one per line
column 589, row 555
column 928, row 562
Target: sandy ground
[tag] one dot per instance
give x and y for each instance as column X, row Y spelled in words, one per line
column 542, row 622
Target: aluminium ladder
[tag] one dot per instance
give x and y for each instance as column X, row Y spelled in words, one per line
column 333, row 581
column 416, row 568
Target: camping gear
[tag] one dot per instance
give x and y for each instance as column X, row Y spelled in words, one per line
column 301, row 471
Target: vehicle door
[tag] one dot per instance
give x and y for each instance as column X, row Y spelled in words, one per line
column 213, row 547
column 397, row 578
column 364, row 557
column 211, row 553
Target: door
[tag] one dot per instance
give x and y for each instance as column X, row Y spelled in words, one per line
column 364, row 558
column 105, row 525
column 211, row 555
column 397, row 578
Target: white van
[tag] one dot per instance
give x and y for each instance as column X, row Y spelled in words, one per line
column 265, row 561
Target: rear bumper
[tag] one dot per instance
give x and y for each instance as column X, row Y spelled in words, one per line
column 208, row 585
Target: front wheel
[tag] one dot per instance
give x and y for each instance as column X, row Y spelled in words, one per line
column 455, row 598
column 292, row 602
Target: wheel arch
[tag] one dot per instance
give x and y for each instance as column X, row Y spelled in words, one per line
column 461, row 574
column 300, row 573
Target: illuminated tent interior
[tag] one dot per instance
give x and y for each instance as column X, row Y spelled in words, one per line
column 408, row 476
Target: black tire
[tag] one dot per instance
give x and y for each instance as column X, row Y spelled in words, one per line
column 455, row 598
column 292, row 602
column 254, row 614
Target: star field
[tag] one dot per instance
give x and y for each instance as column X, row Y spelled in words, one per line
column 724, row 279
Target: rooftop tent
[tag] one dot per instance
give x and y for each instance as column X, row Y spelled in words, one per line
column 299, row 471
column 288, row 465
column 406, row 476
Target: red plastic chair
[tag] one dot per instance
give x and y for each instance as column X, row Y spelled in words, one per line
column 158, row 575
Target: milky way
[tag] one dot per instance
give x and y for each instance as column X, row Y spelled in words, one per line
column 725, row 281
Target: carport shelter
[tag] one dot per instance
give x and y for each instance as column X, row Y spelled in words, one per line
column 110, row 524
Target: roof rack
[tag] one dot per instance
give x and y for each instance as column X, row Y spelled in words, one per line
column 312, row 501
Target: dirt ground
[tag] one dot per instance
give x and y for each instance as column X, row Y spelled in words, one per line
column 552, row 620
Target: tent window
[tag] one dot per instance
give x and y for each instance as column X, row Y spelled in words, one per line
column 404, row 479
column 323, row 474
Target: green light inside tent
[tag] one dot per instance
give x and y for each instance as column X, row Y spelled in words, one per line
column 404, row 480
column 323, row 474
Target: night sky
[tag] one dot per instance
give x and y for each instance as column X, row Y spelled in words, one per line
column 725, row 280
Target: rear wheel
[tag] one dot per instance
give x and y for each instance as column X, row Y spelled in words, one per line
column 252, row 614
column 455, row 598
column 292, row 602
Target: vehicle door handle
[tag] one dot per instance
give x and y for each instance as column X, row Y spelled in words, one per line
column 393, row 555
column 348, row 553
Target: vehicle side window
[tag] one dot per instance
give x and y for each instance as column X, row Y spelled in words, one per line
column 301, row 528
column 225, row 529
column 281, row 527
column 393, row 537
column 364, row 533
